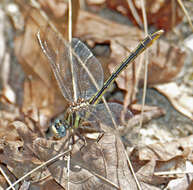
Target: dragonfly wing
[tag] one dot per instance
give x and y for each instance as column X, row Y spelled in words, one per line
column 54, row 49
column 89, row 71
column 78, row 73
column 106, row 115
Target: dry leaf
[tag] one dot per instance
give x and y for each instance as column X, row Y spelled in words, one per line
column 183, row 183
column 131, row 131
column 48, row 184
column 3, row 183
column 19, row 156
column 162, row 14
column 180, row 96
column 89, row 165
column 168, row 150
column 19, row 162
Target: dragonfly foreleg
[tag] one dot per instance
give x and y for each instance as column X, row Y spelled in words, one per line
column 81, row 137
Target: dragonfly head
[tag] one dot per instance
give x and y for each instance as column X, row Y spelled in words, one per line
column 59, row 128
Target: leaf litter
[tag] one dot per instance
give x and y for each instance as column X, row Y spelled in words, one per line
column 97, row 162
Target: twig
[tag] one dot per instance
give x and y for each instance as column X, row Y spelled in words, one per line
column 39, row 167
column 172, row 173
column 146, row 62
column 135, row 13
column 132, row 170
column 186, row 13
column 6, row 177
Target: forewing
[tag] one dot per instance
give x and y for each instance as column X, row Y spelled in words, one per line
column 78, row 73
column 89, row 73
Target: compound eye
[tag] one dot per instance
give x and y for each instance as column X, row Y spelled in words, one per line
column 57, row 122
column 59, row 128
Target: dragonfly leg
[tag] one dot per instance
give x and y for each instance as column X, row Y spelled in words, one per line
column 100, row 136
column 81, row 137
column 73, row 139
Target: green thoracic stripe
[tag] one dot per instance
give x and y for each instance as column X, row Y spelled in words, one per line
column 147, row 42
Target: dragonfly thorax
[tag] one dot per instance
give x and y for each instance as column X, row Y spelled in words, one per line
column 79, row 105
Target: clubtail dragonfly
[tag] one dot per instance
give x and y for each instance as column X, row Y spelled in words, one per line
column 80, row 78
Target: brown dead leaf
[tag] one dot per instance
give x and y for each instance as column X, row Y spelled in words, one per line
column 146, row 175
column 170, row 156
column 25, row 133
column 176, row 163
column 145, row 169
column 162, row 157
column 17, row 160
column 184, row 182
column 19, row 156
column 8, row 114
column 7, row 132
column 39, row 101
column 91, row 166
column 3, row 183
column 179, row 95
column 28, row 51
column 180, row 183
column 131, row 131
column 27, row 48
column 166, row 151
column 161, row 14
column 58, row 14
column 47, row 184
column 59, row 9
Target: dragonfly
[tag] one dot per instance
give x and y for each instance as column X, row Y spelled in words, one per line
column 79, row 76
